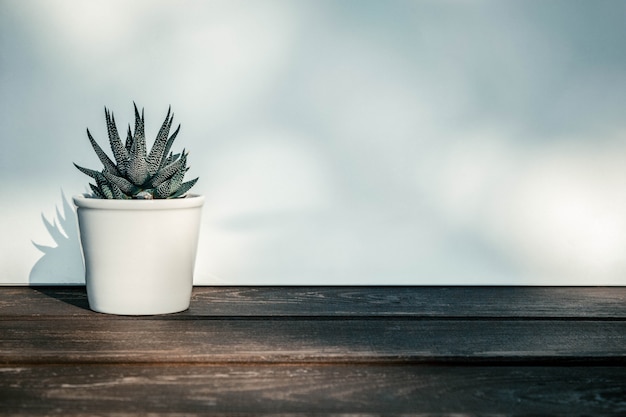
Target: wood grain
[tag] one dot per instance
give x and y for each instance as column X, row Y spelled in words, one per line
column 500, row 302
column 309, row 340
column 425, row 351
column 257, row 389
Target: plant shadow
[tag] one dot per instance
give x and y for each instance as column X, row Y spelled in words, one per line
column 63, row 263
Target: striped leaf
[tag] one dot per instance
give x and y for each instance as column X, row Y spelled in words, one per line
column 186, row 186
column 105, row 188
column 119, row 151
column 163, row 190
column 140, row 134
column 137, row 166
column 171, row 158
column 129, row 141
column 122, row 183
column 118, row 194
column 92, row 173
column 96, row 191
column 169, row 144
column 135, row 173
column 158, row 148
column 177, row 180
column 104, row 158
column 168, row 171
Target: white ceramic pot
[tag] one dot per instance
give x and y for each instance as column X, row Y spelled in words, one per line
column 139, row 254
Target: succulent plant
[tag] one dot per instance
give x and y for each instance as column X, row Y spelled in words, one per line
column 136, row 173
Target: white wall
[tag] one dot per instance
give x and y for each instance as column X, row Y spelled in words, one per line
column 337, row 142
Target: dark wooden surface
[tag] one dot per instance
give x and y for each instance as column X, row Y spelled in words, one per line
column 446, row 351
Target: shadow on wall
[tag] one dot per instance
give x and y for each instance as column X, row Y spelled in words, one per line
column 62, row 263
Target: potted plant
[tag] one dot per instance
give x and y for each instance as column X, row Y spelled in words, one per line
column 139, row 227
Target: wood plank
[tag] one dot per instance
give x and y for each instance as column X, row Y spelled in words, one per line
column 325, row 350
column 297, row 340
column 501, row 302
column 87, row 390
column 504, row 302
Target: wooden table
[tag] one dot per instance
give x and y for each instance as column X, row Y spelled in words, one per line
column 319, row 351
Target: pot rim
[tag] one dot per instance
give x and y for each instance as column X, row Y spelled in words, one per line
column 190, row 201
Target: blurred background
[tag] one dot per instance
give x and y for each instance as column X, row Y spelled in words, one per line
column 337, row 142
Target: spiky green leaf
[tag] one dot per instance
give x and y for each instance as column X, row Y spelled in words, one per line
column 186, row 186
column 137, row 174
column 96, row 191
column 103, row 185
column 137, row 170
column 158, row 148
column 129, row 141
column 119, row 151
column 163, row 190
column 168, row 145
column 168, row 171
column 177, row 180
column 126, row 186
column 92, row 173
column 138, row 167
column 171, row 158
column 118, row 194
column 106, row 191
column 104, row 158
